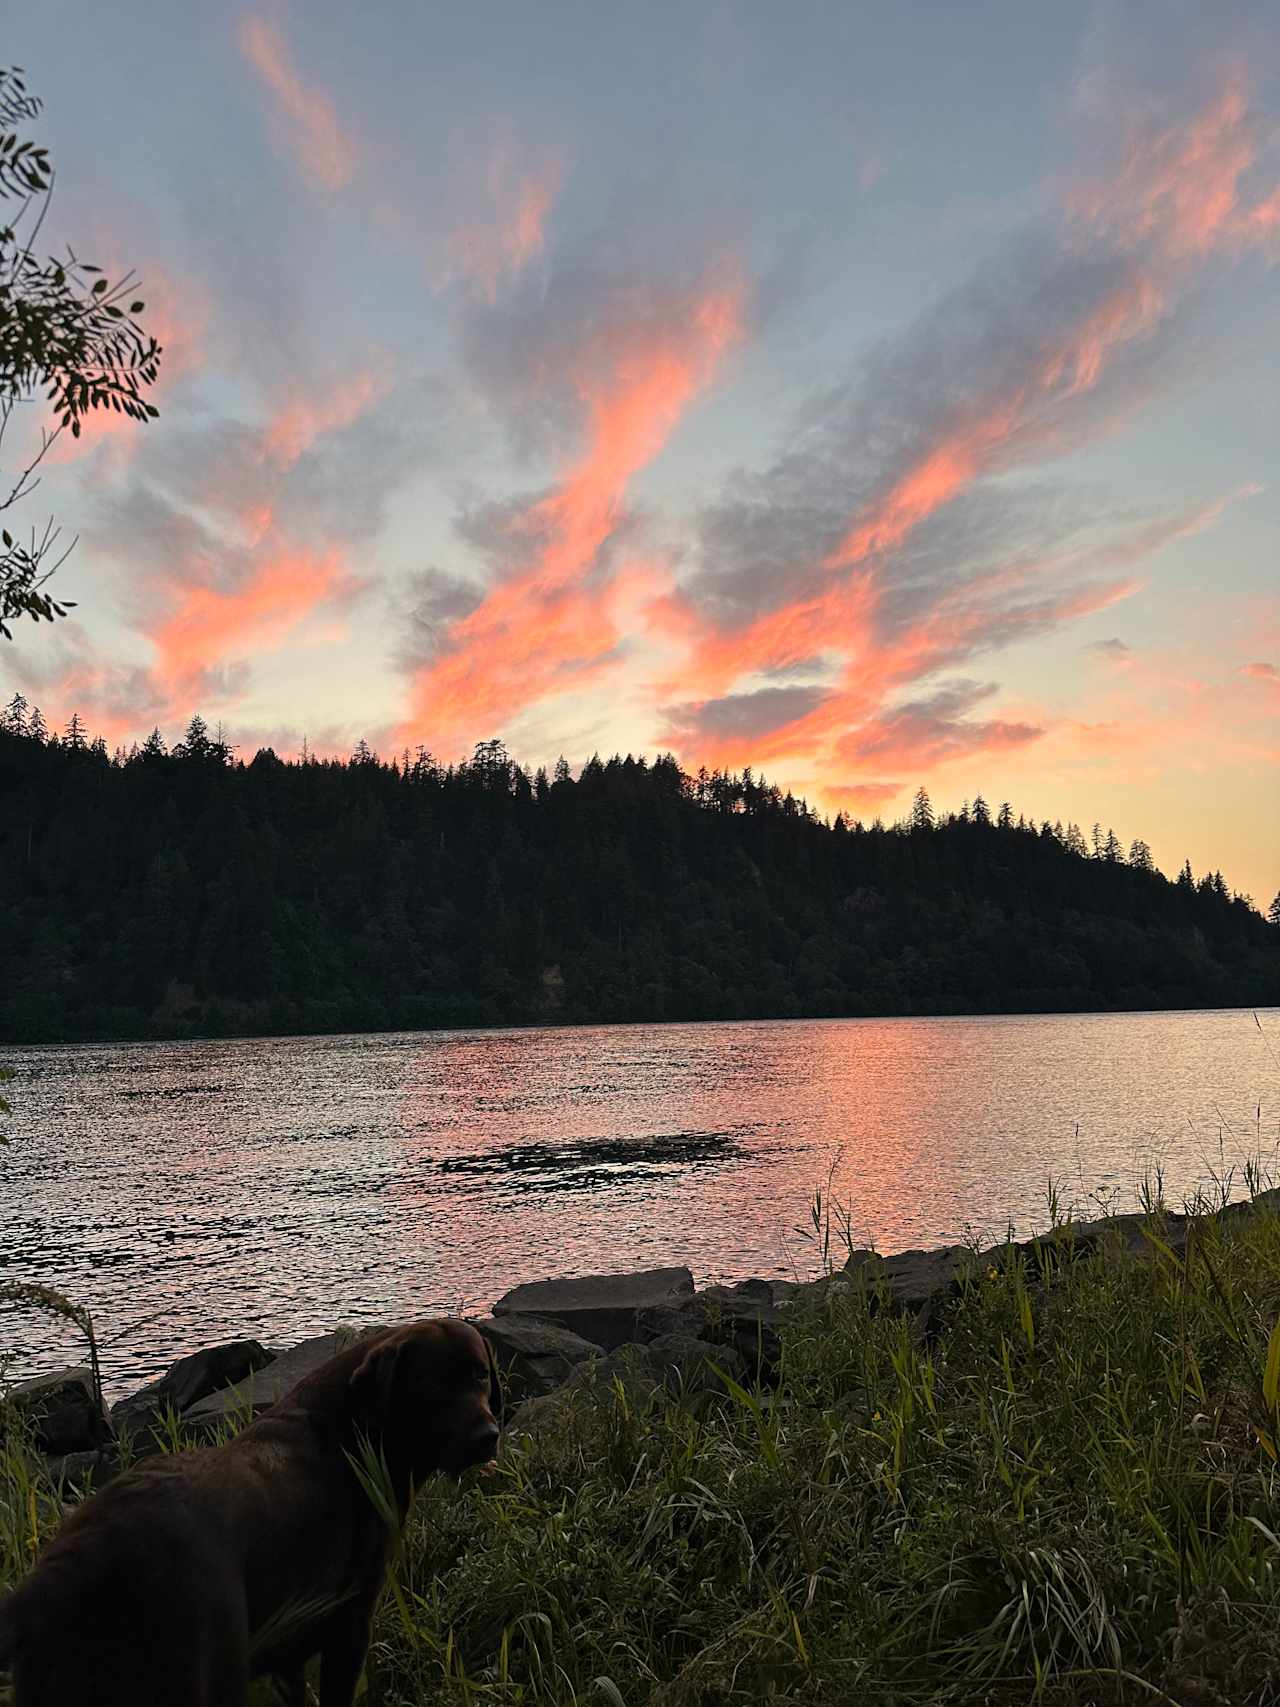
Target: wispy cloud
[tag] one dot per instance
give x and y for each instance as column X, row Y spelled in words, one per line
column 1036, row 357
column 297, row 423
column 552, row 613
column 1183, row 188
column 1265, row 674
column 510, row 189
column 304, row 115
column 207, row 626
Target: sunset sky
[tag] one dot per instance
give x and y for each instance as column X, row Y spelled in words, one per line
column 874, row 395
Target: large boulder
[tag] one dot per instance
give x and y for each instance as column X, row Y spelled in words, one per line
column 687, row 1365
column 261, row 1389
column 602, row 1308
column 743, row 1316
column 534, row 1357
column 62, row 1411
column 911, row 1279
column 684, row 1366
column 183, row 1385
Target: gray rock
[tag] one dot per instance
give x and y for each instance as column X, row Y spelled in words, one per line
column 534, row 1357
column 687, row 1367
column 261, row 1389
column 1131, row 1235
column 183, row 1385
column 911, row 1279
column 602, row 1308
column 743, row 1316
column 680, row 1362
column 62, row 1411
column 76, row 1471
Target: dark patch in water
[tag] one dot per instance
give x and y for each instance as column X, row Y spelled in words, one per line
column 175, row 1091
column 592, row 1162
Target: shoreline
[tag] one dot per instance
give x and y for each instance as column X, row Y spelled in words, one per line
column 564, row 1333
column 534, row 1026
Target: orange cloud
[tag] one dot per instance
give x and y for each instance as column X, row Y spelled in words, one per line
column 1176, row 195
column 1067, row 367
column 206, row 626
column 978, row 440
column 519, row 191
column 944, row 636
column 550, row 622
column 296, row 425
column 1180, row 188
column 305, row 115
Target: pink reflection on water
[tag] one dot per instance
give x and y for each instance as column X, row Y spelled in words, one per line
column 200, row 1191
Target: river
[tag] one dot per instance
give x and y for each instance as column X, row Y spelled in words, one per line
column 192, row 1192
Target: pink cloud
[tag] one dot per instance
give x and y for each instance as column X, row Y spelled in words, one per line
column 1179, row 192
column 512, row 196
column 304, row 114
column 553, row 621
column 1183, row 187
column 205, row 626
column 297, row 424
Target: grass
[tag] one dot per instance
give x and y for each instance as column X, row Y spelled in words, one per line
column 1067, row 1495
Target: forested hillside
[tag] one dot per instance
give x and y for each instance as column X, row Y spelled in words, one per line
column 155, row 893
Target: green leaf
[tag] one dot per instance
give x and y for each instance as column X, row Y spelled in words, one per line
column 1271, row 1374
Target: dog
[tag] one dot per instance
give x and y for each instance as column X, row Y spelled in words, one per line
column 192, row 1573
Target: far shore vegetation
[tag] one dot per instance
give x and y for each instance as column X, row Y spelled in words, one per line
column 177, row 893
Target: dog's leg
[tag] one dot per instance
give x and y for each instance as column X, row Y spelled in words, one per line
column 346, row 1642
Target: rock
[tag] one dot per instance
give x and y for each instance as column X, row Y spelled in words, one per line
column 62, row 1411
column 534, row 1357
column 1072, row 1240
column 681, row 1362
column 261, row 1389
column 183, row 1385
column 76, row 1471
column 687, row 1367
column 1264, row 1202
column 602, row 1308
column 911, row 1279
column 744, row 1316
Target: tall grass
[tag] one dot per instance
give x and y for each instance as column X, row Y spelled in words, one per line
column 1067, row 1493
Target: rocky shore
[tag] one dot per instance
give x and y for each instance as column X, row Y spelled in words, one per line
column 554, row 1338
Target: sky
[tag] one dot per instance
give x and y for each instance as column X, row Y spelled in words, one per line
column 875, row 396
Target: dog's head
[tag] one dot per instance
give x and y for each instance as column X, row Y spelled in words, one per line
column 430, row 1391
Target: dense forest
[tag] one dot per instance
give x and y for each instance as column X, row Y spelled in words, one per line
column 181, row 893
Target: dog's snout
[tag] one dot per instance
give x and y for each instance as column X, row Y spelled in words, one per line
column 484, row 1437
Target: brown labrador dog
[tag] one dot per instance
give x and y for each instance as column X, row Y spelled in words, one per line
column 193, row 1573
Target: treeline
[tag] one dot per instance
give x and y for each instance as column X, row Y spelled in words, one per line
column 186, row 893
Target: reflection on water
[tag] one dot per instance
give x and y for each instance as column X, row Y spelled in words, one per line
column 197, row 1191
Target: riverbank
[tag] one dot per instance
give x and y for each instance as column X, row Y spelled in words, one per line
column 231, row 1022
column 1045, row 1471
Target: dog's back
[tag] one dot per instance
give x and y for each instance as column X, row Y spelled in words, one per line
column 70, row 1632
column 154, row 1588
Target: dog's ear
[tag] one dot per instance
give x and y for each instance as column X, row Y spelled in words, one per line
column 496, row 1402
column 374, row 1379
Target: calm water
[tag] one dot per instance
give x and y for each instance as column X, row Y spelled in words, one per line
column 192, row 1192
